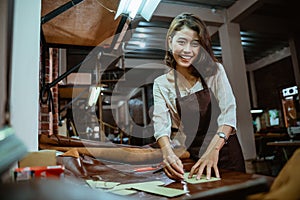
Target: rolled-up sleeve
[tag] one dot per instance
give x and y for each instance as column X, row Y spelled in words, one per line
column 161, row 115
column 225, row 97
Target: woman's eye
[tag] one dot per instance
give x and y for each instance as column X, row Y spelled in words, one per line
column 181, row 42
column 195, row 44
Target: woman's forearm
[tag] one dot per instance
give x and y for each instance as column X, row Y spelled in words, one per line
column 165, row 145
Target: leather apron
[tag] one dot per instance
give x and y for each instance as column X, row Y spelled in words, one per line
column 198, row 113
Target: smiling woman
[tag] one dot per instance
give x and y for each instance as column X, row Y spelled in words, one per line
column 186, row 103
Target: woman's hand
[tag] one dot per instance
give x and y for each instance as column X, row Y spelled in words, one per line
column 210, row 158
column 173, row 167
column 172, row 164
column 208, row 161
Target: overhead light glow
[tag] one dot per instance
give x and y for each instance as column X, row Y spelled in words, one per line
column 94, row 94
column 253, row 111
column 133, row 7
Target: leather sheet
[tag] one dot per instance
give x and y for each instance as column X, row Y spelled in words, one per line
column 107, row 150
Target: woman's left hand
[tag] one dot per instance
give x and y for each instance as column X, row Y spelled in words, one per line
column 208, row 161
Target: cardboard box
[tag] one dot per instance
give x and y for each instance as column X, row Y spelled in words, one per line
column 42, row 172
column 39, row 164
column 38, row 158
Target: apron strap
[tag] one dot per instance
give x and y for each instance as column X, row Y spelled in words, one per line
column 178, row 92
column 176, row 85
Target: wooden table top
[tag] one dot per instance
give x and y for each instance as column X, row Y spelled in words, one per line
column 271, row 135
column 233, row 185
column 285, row 143
column 230, row 181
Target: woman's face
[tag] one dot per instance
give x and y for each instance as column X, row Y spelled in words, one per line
column 185, row 46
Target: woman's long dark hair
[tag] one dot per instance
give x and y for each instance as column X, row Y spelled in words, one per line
column 206, row 62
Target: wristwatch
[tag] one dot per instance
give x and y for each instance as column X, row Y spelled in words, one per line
column 223, row 135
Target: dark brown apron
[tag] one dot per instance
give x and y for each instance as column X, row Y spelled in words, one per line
column 198, row 113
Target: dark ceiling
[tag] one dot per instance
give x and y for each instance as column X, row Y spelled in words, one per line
column 265, row 28
column 266, row 25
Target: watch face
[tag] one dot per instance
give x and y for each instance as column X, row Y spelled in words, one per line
column 222, row 135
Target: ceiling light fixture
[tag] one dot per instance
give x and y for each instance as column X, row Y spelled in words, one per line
column 254, row 111
column 94, row 94
column 133, row 7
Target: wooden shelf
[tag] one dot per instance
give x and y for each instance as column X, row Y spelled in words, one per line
column 70, row 91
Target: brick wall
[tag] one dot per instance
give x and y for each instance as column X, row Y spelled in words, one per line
column 48, row 122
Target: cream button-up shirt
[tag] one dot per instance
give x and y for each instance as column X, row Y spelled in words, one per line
column 165, row 113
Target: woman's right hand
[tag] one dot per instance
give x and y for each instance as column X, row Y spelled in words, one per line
column 172, row 164
column 173, row 167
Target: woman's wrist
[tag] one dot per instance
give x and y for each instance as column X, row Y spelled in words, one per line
column 219, row 142
column 167, row 150
column 223, row 136
column 165, row 146
column 226, row 129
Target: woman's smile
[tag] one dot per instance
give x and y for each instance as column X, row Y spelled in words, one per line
column 185, row 57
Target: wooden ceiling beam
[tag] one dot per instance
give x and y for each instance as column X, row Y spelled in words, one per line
column 208, row 15
column 59, row 10
column 242, row 9
column 276, row 56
